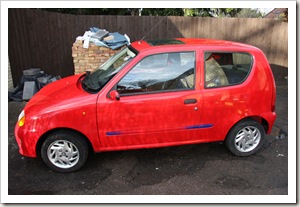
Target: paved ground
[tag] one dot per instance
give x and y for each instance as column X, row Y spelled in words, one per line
column 202, row 169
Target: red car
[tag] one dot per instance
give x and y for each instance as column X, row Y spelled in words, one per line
column 153, row 94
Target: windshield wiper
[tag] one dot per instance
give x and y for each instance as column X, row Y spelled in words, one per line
column 87, row 74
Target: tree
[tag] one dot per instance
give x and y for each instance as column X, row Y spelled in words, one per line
column 118, row 11
column 224, row 12
column 192, row 12
column 283, row 16
column 249, row 13
column 201, row 12
column 162, row 12
column 211, row 12
column 88, row 11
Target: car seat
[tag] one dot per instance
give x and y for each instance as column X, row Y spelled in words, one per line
column 214, row 74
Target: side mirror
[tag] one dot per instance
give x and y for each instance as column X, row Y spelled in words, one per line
column 114, row 95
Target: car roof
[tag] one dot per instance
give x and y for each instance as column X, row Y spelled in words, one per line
column 143, row 45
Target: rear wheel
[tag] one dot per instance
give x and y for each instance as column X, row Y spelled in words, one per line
column 64, row 151
column 245, row 138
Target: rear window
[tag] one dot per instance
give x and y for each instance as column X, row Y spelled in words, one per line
column 224, row 69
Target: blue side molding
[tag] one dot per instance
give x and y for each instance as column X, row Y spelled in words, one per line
column 201, row 126
column 113, row 133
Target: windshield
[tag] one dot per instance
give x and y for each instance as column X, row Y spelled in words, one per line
column 94, row 81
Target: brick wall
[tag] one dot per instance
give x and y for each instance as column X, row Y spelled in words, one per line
column 90, row 58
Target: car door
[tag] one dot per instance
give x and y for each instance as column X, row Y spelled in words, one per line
column 159, row 104
column 226, row 91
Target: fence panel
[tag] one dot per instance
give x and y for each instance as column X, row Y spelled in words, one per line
column 43, row 39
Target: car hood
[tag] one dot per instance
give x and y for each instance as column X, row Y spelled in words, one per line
column 60, row 95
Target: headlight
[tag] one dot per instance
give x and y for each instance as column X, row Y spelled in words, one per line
column 21, row 119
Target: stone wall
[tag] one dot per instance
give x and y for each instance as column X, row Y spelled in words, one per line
column 90, row 58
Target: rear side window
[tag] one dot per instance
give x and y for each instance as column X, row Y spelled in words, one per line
column 224, row 69
column 161, row 72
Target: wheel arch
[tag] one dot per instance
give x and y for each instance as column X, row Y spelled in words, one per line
column 45, row 135
column 243, row 148
column 259, row 119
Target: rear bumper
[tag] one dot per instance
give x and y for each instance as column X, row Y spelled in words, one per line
column 270, row 117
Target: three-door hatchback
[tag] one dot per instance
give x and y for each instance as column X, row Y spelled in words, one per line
column 153, row 94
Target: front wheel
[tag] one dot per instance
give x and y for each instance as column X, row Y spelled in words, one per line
column 245, row 138
column 64, row 151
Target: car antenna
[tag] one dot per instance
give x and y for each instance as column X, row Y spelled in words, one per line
column 154, row 27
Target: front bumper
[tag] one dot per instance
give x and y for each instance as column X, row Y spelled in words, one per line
column 26, row 145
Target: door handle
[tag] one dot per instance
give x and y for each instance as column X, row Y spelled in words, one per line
column 190, row 101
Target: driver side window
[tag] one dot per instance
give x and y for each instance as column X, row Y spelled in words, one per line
column 161, row 72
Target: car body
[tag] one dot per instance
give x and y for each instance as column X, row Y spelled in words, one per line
column 153, row 94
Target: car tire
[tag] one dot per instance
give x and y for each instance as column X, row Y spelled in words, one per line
column 64, row 151
column 245, row 138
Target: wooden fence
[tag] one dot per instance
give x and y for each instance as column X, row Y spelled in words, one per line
column 44, row 40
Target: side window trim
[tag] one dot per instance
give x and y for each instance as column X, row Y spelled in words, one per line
column 154, row 92
column 227, row 52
